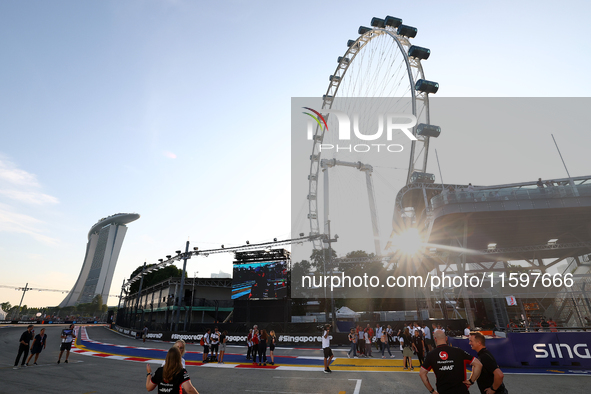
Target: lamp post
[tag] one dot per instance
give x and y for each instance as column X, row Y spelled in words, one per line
column 139, row 293
column 186, row 256
column 329, row 241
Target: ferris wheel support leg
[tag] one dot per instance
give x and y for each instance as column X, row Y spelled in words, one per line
column 373, row 212
column 462, row 269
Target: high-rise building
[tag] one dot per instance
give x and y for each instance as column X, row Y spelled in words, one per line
column 102, row 251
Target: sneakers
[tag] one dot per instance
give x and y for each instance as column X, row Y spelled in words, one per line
column 325, row 371
column 383, row 356
column 58, row 361
column 34, row 363
column 66, row 361
column 392, row 356
column 405, row 369
column 328, row 369
column 355, row 357
column 348, row 355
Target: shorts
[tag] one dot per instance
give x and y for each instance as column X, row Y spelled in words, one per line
column 205, row 349
column 215, row 347
column 223, row 347
column 66, row 346
column 407, row 352
column 36, row 350
column 144, row 336
column 271, row 347
column 327, row 352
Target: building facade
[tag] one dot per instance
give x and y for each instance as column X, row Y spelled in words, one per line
column 105, row 239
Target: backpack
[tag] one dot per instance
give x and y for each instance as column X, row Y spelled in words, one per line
column 202, row 341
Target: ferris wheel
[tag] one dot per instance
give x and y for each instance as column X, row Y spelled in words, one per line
column 380, row 63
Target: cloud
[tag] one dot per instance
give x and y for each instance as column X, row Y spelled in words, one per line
column 14, row 222
column 19, row 190
column 29, row 197
column 170, row 155
column 11, row 174
column 22, row 186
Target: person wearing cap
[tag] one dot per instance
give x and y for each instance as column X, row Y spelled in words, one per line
column 68, row 336
column 23, row 348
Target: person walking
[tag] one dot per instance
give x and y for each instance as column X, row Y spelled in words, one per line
column 23, row 347
column 39, row 343
column 491, row 375
column 272, row 342
column 145, row 333
column 353, row 343
column 223, row 340
column 385, row 344
column 328, row 355
column 449, row 365
column 172, row 378
column 419, row 346
column 68, row 336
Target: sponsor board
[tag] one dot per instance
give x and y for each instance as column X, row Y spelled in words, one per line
column 538, row 349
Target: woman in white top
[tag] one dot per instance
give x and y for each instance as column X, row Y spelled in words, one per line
column 182, row 347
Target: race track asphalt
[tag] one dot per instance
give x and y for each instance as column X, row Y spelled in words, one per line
column 106, row 362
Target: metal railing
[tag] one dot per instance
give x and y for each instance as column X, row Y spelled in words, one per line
column 510, row 194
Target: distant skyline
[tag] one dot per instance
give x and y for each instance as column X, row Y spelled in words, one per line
column 180, row 111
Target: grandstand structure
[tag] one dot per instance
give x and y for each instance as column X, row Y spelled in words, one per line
column 502, row 229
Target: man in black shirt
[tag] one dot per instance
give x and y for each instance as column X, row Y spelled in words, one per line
column 449, row 364
column 23, row 348
column 491, row 378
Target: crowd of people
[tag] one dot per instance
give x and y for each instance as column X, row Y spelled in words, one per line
column 214, row 346
column 257, row 341
column 537, row 323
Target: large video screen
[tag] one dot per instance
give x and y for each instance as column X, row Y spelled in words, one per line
column 260, row 281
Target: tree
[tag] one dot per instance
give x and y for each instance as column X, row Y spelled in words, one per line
column 319, row 257
column 97, row 303
column 6, row 306
column 154, row 277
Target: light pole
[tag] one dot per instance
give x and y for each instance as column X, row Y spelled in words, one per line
column 185, row 256
column 139, row 293
column 329, row 241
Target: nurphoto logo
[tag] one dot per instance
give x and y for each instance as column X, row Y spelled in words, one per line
column 391, row 124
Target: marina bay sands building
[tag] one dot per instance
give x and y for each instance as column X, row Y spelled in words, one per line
column 102, row 251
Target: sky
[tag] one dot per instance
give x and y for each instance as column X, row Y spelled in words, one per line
column 180, row 111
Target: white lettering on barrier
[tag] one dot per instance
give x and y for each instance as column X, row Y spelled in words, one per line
column 540, row 349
